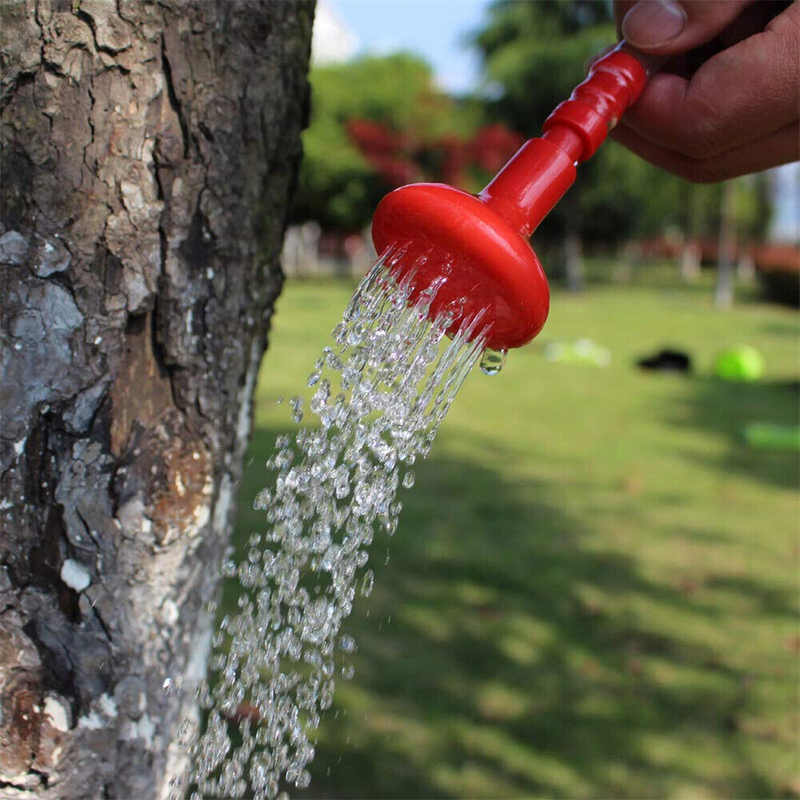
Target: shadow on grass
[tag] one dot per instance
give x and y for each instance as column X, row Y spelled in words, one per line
column 500, row 656
column 788, row 328
column 726, row 407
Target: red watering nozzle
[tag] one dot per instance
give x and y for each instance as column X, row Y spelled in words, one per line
column 480, row 243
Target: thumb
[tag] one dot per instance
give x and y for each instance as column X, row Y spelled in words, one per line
column 667, row 27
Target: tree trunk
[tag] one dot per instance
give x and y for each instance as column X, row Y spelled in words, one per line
column 148, row 154
column 573, row 260
column 691, row 256
column 723, row 292
column 572, row 244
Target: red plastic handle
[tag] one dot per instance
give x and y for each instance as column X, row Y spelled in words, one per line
column 536, row 178
column 613, row 85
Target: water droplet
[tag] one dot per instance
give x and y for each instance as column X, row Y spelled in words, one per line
column 348, row 672
column 408, row 479
column 229, row 569
column 367, row 583
column 262, row 500
column 297, row 408
column 492, row 361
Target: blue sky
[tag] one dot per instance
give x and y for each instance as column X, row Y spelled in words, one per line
column 435, row 29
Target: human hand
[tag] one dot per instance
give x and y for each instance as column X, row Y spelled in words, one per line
column 727, row 101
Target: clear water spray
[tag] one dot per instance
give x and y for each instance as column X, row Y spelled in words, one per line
column 380, row 393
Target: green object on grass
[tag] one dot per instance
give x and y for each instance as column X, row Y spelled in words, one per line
column 740, row 364
column 772, row 436
column 581, row 351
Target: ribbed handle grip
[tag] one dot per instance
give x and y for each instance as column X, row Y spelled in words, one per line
column 613, row 85
column 525, row 190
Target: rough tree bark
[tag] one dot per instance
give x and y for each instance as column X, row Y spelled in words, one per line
column 148, row 153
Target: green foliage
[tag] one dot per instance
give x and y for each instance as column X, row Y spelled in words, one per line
column 337, row 186
column 751, row 206
column 700, row 206
column 624, row 196
column 397, row 90
column 535, row 52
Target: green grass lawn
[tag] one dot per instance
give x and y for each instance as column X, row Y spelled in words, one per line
column 593, row 589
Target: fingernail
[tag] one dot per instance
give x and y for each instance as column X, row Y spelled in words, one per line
column 653, row 22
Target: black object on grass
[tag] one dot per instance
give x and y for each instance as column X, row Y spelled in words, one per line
column 666, row 361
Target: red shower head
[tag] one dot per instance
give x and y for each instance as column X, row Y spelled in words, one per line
column 480, row 243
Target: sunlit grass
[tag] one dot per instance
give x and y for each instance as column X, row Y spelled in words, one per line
column 593, row 588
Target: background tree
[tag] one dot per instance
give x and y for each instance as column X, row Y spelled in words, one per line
column 148, row 155
column 338, row 187
column 378, row 122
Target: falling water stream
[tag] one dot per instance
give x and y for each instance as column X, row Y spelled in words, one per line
column 380, row 393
